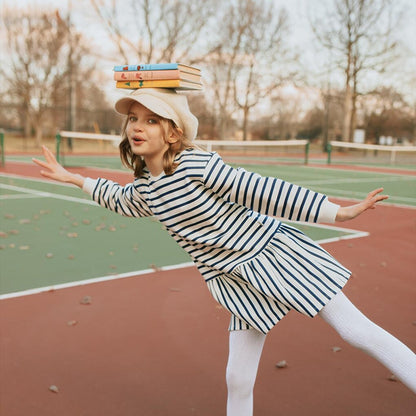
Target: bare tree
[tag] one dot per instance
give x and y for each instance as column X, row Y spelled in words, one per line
column 156, row 30
column 35, row 43
column 36, row 69
column 248, row 58
column 360, row 36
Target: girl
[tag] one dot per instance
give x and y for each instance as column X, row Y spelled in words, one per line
column 226, row 219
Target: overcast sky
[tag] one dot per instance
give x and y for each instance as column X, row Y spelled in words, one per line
column 298, row 12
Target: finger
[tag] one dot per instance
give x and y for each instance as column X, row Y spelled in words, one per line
column 49, row 156
column 40, row 162
column 375, row 192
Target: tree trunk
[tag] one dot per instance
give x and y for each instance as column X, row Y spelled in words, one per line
column 346, row 122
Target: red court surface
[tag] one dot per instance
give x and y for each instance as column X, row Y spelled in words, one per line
column 156, row 344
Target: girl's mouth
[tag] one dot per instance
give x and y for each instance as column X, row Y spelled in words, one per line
column 137, row 140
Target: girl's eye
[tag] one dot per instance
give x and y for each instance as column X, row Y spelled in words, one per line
column 132, row 119
column 152, row 121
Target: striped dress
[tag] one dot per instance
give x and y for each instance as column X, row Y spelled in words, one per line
column 226, row 219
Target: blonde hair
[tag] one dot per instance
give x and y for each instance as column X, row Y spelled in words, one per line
column 137, row 163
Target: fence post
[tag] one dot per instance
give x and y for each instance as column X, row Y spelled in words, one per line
column 328, row 150
column 307, row 152
column 58, row 140
column 2, row 146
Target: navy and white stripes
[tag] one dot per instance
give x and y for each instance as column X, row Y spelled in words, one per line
column 224, row 218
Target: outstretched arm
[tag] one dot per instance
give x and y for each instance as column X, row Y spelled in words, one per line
column 352, row 211
column 56, row 171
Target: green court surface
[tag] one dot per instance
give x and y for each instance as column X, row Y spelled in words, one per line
column 52, row 234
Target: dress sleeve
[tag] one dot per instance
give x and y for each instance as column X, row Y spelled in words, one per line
column 124, row 200
column 266, row 195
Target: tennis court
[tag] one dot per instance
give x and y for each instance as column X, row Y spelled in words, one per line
column 150, row 340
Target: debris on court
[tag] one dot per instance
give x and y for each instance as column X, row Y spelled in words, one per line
column 72, row 323
column 392, row 378
column 53, row 388
column 336, row 349
column 281, row 364
column 49, row 255
column 86, row 300
column 72, row 235
column 24, row 247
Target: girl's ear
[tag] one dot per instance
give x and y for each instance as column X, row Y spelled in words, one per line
column 175, row 135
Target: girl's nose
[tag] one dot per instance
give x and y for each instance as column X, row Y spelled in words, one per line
column 138, row 126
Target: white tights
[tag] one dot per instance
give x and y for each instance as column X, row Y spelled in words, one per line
column 246, row 347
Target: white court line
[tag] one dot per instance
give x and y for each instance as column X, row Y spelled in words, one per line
column 93, row 280
column 356, row 234
column 34, row 193
column 18, row 196
column 47, row 194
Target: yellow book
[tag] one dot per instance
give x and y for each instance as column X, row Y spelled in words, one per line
column 161, row 83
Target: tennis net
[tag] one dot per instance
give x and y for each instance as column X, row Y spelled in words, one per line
column 101, row 150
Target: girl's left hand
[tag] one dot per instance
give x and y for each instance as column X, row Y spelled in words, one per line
column 352, row 211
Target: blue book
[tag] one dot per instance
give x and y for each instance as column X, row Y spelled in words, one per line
column 156, row 67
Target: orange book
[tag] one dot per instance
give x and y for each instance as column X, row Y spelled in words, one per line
column 162, row 83
column 153, row 75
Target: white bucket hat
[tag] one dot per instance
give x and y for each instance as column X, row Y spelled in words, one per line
column 166, row 103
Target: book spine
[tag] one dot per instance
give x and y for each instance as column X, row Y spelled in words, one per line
column 146, row 75
column 147, row 84
column 145, row 67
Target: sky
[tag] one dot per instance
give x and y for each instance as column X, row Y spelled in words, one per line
column 298, row 12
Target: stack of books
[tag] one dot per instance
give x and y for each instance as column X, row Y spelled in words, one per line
column 169, row 75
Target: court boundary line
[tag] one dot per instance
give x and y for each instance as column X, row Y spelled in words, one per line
column 354, row 234
column 93, row 280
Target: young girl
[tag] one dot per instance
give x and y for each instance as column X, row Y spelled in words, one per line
column 226, row 219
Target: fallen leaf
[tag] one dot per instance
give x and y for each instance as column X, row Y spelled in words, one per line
column 24, row 247
column 49, row 255
column 3, row 234
column 72, row 235
column 9, row 216
column 281, row 364
column 86, row 300
column 71, row 257
column 336, row 349
column 53, row 388
column 24, row 221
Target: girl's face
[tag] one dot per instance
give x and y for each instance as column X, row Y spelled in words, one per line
column 146, row 136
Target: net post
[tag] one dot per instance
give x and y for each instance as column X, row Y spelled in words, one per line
column 2, row 146
column 307, row 152
column 328, row 150
column 58, row 140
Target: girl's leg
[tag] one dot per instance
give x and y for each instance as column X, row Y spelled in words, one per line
column 360, row 332
column 243, row 360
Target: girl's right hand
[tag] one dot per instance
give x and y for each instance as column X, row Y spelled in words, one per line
column 56, row 171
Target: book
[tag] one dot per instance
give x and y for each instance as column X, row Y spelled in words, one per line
column 161, row 83
column 161, row 74
column 157, row 67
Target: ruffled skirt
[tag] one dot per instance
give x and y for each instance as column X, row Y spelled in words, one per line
column 292, row 272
